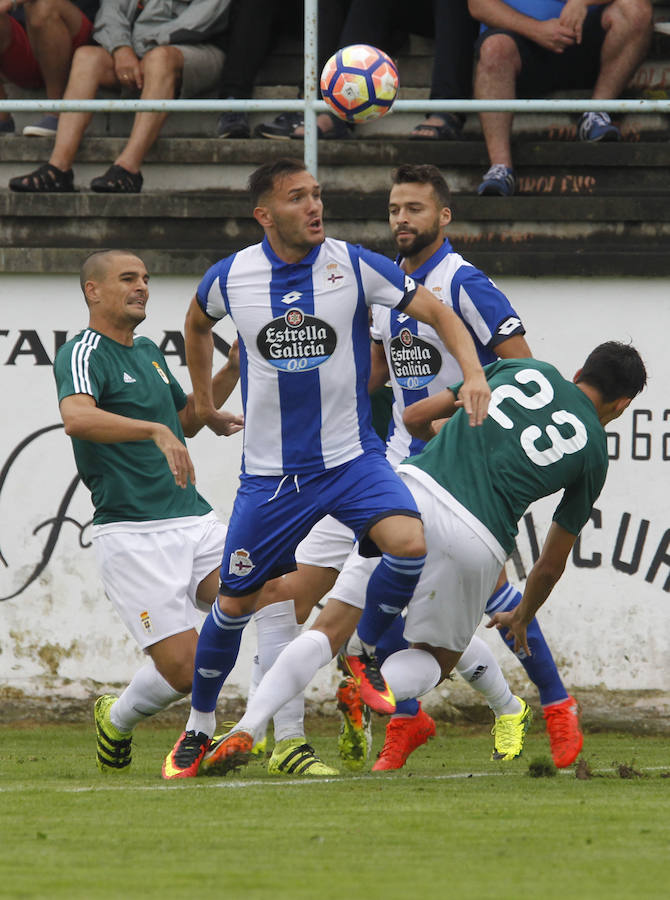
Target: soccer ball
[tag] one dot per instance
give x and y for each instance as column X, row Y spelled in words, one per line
column 359, row 83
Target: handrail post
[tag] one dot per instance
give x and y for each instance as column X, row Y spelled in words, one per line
column 311, row 31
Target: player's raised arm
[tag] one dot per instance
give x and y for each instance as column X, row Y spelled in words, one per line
column 542, row 579
column 199, row 354
column 475, row 392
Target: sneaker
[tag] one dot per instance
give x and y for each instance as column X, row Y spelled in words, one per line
column 597, row 126
column 186, row 755
column 46, row 127
column 230, row 751
column 260, row 748
column 403, row 735
column 509, row 733
column 355, row 740
column 281, row 128
column 294, row 757
column 113, row 746
column 233, row 125
column 499, row 181
column 565, row 736
column 371, row 683
column 7, row 126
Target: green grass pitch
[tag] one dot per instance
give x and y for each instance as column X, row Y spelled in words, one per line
column 451, row 824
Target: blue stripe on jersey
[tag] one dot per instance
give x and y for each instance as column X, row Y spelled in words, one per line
column 485, row 355
column 299, row 394
column 244, row 379
column 360, row 335
column 219, row 270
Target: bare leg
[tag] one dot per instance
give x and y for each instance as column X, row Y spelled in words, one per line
column 51, row 27
column 92, row 67
column 495, row 78
column 628, row 27
column 161, row 68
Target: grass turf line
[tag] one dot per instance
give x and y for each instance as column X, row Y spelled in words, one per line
column 413, row 833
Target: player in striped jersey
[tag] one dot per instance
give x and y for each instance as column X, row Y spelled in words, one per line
column 419, row 365
column 300, row 303
column 157, row 541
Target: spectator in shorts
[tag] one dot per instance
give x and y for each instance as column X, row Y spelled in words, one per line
column 531, row 47
column 37, row 40
column 161, row 50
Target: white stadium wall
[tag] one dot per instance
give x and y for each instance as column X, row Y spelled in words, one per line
column 607, row 621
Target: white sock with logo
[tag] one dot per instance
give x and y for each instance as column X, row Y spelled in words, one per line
column 295, row 667
column 479, row 667
column 411, row 673
column 276, row 627
column 147, row 694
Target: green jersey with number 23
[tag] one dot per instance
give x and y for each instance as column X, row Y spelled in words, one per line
column 542, row 435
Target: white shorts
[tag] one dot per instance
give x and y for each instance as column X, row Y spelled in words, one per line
column 152, row 577
column 457, row 579
column 327, row 545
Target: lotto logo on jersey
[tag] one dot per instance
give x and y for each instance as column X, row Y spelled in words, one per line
column 296, row 342
column 414, row 361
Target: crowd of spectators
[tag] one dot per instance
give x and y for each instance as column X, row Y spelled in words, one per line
column 490, row 49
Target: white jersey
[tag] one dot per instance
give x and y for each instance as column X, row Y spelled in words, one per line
column 419, row 363
column 304, row 349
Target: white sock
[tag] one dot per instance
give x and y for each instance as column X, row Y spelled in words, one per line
column 411, row 673
column 254, row 681
column 295, row 667
column 478, row 666
column 147, row 694
column 201, row 722
column 276, row 627
column 356, row 647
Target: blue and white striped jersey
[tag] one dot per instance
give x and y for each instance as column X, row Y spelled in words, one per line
column 419, row 363
column 304, row 349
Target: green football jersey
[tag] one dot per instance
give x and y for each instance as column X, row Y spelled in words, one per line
column 131, row 481
column 542, row 434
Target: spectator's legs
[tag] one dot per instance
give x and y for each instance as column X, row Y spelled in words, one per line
column 497, row 70
column 628, row 30
column 254, row 27
column 52, row 25
column 92, row 67
column 161, row 68
column 5, row 116
column 5, row 41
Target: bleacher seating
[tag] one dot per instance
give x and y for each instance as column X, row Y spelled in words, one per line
column 581, row 208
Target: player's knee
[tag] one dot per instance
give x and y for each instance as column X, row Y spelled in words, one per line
column 179, row 674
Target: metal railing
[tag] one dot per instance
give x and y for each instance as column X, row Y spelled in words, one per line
column 311, row 106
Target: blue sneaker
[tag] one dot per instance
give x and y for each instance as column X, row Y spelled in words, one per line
column 7, row 126
column 597, row 126
column 499, row 181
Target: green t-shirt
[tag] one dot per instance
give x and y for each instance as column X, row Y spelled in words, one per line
column 131, row 481
column 542, row 435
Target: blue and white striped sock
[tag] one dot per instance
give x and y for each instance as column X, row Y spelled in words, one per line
column 390, row 589
column 215, row 656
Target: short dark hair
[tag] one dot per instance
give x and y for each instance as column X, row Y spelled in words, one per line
column 94, row 266
column 614, row 369
column 262, row 181
column 424, row 174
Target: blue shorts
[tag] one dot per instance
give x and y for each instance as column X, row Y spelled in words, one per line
column 272, row 514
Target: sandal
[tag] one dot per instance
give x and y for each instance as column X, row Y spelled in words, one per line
column 118, row 180
column 449, row 130
column 45, row 180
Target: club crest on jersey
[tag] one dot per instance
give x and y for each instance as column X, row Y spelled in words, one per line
column 160, row 372
column 296, row 341
column 414, row 361
column 145, row 619
column 333, row 275
column 240, row 563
